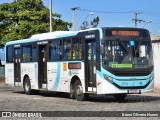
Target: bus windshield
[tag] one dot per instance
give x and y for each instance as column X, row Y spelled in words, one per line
column 127, row 52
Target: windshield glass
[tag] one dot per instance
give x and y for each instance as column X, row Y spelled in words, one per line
column 127, row 53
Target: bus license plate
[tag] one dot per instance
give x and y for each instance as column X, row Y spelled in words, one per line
column 134, row 91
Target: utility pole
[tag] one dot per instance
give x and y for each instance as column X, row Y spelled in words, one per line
column 136, row 19
column 50, row 15
column 73, row 17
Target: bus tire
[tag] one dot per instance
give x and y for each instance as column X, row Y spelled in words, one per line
column 71, row 95
column 27, row 86
column 120, row 96
column 35, row 92
column 78, row 91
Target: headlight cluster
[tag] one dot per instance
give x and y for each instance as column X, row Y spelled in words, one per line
column 110, row 79
column 151, row 78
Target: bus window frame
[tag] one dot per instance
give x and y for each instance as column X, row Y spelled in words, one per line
column 67, row 39
column 25, row 44
column 7, row 54
column 79, row 46
column 32, row 46
column 49, row 51
column 62, row 49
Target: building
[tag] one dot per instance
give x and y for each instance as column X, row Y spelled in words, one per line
column 156, row 56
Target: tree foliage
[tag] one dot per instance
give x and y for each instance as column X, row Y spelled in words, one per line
column 23, row 18
column 93, row 24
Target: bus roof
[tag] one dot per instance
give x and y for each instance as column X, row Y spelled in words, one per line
column 58, row 34
column 50, row 35
column 44, row 36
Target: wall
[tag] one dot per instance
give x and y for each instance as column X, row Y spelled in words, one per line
column 156, row 58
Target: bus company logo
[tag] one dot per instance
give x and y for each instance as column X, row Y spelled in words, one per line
column 90, row 36
column 70, row 73
column 6, row 114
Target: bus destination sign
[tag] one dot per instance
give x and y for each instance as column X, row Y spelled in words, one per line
column 76, row 65
column 124, row 33
column 122, row 65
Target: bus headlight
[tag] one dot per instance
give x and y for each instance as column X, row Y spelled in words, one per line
column 151, row 78
column 108, row 78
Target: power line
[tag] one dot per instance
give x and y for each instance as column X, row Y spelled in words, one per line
column 88, row 10
column 152, row 13
column 136, row 13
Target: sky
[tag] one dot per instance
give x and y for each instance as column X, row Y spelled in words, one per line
column 111, row 12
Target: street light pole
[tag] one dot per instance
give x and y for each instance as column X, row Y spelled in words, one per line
column 73, row 17
column 50, row 15
column 91, row 13
column 147, row 23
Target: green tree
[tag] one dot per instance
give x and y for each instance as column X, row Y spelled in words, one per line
column 23, row 18
column 93, row 24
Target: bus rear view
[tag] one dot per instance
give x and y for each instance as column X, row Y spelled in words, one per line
column 127, row 61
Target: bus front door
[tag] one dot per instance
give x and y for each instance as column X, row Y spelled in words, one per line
column 90, row 65
column 17, row 67
column 42, row 67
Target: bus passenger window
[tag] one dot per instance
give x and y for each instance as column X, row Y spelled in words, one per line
column 9, row 54
column 54, row 50
column 34, row 52
column 77, row 49
column 26, row 53
column 67, row 49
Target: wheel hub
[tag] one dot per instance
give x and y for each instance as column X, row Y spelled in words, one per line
column 79, row 90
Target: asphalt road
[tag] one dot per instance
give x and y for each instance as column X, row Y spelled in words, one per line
column 14, row 99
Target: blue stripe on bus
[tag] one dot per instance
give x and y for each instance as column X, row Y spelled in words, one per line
column 131, row 83
column 57, row 76
column 21, row 41
column 128, row 80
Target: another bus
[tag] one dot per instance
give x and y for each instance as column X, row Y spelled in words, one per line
column 111, row 60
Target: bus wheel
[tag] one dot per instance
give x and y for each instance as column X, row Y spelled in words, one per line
column 120, row 96
column 71, row 95
column 27, row 86
column 78, row 91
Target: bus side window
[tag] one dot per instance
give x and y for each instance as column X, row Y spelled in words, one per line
column 67, row 49
column 9, row 54
column 54, row 52
column 77, row 49
column 26, row 53
column 34, row 52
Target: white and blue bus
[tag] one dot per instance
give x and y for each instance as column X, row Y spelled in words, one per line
column 111, row 60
